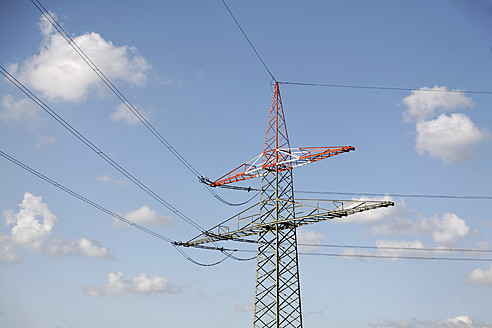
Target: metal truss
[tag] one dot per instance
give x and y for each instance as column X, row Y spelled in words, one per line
column 272, row 222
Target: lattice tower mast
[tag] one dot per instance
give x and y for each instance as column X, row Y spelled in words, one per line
column 274, row 220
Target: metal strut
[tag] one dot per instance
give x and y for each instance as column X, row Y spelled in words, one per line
column 274, row 220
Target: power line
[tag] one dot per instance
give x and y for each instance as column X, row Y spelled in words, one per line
column 382, row 88
column 360, row 194
column 399, row 248
column 228, row 253
column 335, row 85
column 95, row 149
column 394, row 195
column 454, row 250
column 84, row 199
column 247, row 39
column 112, row 87
column 123, row 99
column 390, row 257
column 369, row 256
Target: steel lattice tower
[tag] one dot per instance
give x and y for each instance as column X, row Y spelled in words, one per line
column 274, row 220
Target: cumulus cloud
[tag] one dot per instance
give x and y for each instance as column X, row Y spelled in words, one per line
column 449, row 138
column 422, row 105
column 140, row 284
column 146, row 215
column 308, row 237
column 31, row 229
column 449, row 230
column 460, row 321
column 59, row 73
column 22, row 111
column 33, row 223
column 122, row 113
column 479, row 276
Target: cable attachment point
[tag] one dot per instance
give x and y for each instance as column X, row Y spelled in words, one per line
column 206, row 181
column 180, row 243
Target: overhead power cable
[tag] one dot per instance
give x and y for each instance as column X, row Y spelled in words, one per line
column 400, row 257
column 426, row 249
column 95, row 149
column 84, row 199
column 247, row 39
column 368, row 256
column 123, row 99
column 112, row 87
column 228, row 253
column 361, row 194
column 399, row 248
column 370, row 87
column 394, row 195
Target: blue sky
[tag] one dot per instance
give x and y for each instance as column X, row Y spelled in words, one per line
column 188, row 69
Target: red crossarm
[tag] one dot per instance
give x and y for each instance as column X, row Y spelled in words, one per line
column 291, row 158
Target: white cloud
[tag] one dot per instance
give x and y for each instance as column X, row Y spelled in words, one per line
column 80, row 247
column 449, row 230
column 146, row 215
column 31, row 229
column 373, row 216
column 308, row 237
column 422, row 105
column 244, row 307
column 460, row 321
column 449, row 138
column 107, row 179
column 58, row 72
column 23, row 110
column 479, row 276
column 140, row 284
column 33, row 223
column 123, row 113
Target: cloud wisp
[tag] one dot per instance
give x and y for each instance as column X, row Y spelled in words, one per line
column 459, row 321
column 308, row 237
column 140, row 285
column 108, row 179
column 22, row 111
column 145, row 215
column 123, row 114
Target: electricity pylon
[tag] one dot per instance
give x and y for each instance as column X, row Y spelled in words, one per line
column 273, row 221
